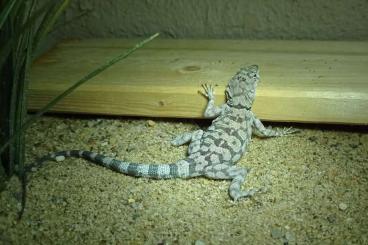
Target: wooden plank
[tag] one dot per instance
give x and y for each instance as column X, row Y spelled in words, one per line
column 302, row 81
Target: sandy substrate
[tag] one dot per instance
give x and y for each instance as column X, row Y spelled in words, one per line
column 316, row 180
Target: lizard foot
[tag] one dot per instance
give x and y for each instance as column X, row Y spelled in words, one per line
column 288, row 131
column 209, row 91
column 236, row 195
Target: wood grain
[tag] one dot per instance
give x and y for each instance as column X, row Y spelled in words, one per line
column 302, row 81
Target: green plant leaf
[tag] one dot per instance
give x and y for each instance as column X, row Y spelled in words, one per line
column 6, row 11
column 89, row 76
column 29, row 24
column 72, row 20
column 49, row 20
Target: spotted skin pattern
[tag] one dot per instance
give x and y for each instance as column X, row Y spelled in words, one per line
column 212, row 153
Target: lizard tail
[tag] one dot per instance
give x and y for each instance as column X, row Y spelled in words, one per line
column 181, row 169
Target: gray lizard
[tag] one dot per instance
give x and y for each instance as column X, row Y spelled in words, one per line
column 213, row 152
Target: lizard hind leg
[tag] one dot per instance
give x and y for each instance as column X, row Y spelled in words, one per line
column 195, row 143
column 235, row 191
column 193, row 137
column 237, row 176
column 182, row 139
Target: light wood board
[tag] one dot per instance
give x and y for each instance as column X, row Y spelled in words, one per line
column 301, row 81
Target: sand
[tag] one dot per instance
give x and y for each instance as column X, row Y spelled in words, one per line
column 317, row 189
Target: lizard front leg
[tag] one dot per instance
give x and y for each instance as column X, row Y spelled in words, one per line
column 212, row 110
column 261, row 131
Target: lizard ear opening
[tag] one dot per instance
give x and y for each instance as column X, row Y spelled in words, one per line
column 228, row 93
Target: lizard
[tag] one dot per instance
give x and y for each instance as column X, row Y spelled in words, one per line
column 212, row 153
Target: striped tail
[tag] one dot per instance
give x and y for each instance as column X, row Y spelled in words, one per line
column 181, row 169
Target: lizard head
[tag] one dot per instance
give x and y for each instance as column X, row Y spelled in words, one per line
column 241, row 90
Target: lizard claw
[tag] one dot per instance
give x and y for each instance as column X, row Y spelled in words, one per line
column 246, row 194
column 288, row 131
column 208, row 91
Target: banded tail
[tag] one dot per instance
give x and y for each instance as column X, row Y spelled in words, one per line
column 181, row 169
